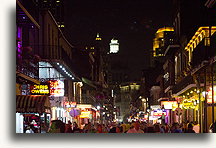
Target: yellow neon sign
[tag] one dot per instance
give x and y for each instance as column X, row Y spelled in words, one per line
column 189, row 104
column 39, row 89
column 85, row 114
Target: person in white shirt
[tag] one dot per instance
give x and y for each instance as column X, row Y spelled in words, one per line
column 136, row 128
column 29, row 130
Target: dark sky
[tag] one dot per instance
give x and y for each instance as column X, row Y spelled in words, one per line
column 132, row 22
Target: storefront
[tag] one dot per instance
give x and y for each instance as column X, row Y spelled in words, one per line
column 70, row 111
column 88, row 113
column 159, row 116
column 191, row 104
column 211, row 107
column 32, row 108
column 170, row 107
column 190, row 109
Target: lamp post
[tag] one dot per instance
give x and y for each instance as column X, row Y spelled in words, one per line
column 101, row 116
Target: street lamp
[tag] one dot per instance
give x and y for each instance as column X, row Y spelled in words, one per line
column 98, row 107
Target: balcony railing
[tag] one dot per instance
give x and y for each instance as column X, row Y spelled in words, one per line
column 52, row 53
column 183, row 83
column 28, row 68
column 27, row 62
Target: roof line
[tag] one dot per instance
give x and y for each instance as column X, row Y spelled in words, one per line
column 28, row 14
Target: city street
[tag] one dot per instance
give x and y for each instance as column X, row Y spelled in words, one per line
column 115, row 66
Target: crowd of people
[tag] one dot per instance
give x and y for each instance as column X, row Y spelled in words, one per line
column 134, row 127
column 31, row 127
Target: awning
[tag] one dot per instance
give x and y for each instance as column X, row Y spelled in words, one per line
column 32, row 104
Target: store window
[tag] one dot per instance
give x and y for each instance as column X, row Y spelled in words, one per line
column 47, row 71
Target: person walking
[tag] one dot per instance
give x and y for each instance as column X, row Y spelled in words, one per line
column 89, row 128
column 176, row 128
column 190, row 129
column 136, row 128
column 68, row 127
column 76, row 129
column 196, row 127
column 213, row 127
column 100, row 129
column 29, row 130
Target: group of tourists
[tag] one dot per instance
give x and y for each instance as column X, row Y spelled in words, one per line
column 134, row 127
column 57, row 126
column 31, row 127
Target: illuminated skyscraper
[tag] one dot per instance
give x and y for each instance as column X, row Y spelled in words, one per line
column 114, row 46
column 98, row 38
column 163, row 38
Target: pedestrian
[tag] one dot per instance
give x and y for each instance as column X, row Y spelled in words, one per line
column 150, row 129
column 88, row 128
column 68, row 128
column 196, row 127
column 100, row 129
column 166, row 128
column 190, row 129
column 112, row 130
column 213, row 127
column 184, row 127
column 162, row 128
column 29, row 130
column 136, row 128
column 76, row 129
column 176, row 128
column 157, row 128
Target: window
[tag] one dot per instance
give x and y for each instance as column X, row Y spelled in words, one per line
column 199, row 38
column 207, row 41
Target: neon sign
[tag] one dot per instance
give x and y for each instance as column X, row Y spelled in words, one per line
column 69, row 105
column 39, row 89
column 169, row 104
column 189, row 103
column 209, row 99
column 159, row 113
column 85, row 114
column 56, row 88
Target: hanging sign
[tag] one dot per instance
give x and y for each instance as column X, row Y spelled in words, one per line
column 69, row 105
column 85, row 114
column 169, row 104
column 189, row 104
column 56, row 88
column 209, row 96
column 159, row 112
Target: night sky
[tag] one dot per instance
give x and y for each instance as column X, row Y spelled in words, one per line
column 132, row 22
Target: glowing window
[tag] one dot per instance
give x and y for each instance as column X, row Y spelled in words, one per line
column 207, row 41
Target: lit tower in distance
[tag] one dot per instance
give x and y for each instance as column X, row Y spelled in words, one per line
column 114, row 46
column 163, row 38
column 98, row 38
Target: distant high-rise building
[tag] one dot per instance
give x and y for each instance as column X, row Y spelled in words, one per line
column 98, row 38
column 163, row 38
column 114, row 46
